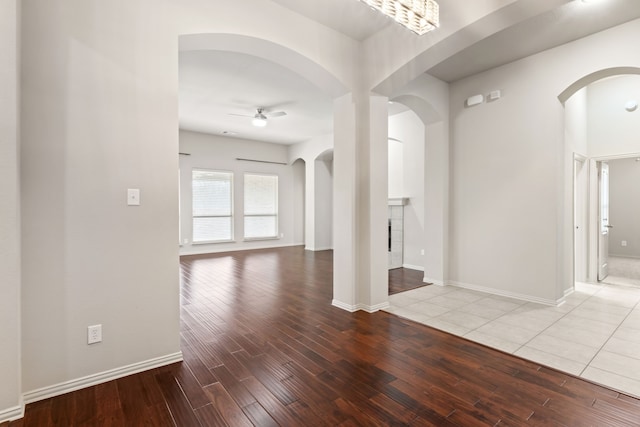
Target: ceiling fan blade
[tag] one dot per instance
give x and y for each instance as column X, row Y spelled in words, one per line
column 276, row 114
column 239, row 115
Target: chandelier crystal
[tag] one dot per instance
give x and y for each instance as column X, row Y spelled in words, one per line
column 420, row 16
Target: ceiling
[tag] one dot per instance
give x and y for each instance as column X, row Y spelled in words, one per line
column 350, row 17
column 214, row 84
column 572, row 21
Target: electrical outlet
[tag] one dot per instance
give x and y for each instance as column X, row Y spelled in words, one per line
column 94, row 334
column 422, row 252
column 623, row 243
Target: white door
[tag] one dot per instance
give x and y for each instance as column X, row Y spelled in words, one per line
column 603, row 240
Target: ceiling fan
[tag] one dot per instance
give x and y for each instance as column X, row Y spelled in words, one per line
column 261, row 116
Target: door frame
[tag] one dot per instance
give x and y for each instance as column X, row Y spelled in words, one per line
column 594, row 205
column 580, row 218
column 603, row 235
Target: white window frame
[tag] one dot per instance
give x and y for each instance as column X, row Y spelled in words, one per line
column 275, row 215
column 231, row 204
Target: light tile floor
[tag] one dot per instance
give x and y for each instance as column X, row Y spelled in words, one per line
column 594, row 335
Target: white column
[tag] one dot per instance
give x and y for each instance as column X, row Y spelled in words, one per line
column 377, row 286
column 10, row 315
column 360, row 203
column 436, row 206
column 345, row 263
column 310, row 205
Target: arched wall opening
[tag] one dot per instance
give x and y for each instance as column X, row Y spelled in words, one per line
column 598, row 129
column 427, row 98
column 268, row 50
column 323, row 193
column 299, row 160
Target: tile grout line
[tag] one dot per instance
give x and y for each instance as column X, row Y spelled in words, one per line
column 609, row 339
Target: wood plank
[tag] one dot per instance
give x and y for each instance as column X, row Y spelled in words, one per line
column 226, row 406
column 177, row 402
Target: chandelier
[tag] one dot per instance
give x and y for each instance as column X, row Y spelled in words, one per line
column 420, row 16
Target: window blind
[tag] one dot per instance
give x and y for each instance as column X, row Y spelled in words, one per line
column 212, row 206
column 260, row 206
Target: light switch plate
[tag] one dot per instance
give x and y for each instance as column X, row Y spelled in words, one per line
column 133, row 197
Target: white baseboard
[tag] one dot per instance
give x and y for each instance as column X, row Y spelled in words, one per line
column 308, row 248
column 624, row 256
column 348, row 307
column 374, row 308
column 99, row 378
column 358, row 307
column 208, row 250
column 11, row 414
column 413, row 267
column 433, row 281
column 502, row 293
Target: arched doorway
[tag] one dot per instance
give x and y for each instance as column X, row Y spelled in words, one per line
column 595, row 135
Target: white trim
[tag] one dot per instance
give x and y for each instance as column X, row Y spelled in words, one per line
column 624, row 256
column 11, row 414
column 236, row 249
column 99, row 378
column 615, row 157
column 344, row 306
column 309, row 248
column 358, row 307
column 433, row 281
column 413, row 267
column 398, row 201
column 374, row 308
column 514, row 295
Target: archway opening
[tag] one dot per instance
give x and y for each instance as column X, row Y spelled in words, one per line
column 600, row 122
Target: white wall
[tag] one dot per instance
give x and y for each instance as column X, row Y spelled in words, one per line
column 100, row 115
column 624, row 202
column 409, row 170
column 612, row 130
column 396, row 175
column 576, row 141
column 10, row 321
column 576, row 123
column 298, row 200
column 324, row 204
column 512, row 176
column 220, row 153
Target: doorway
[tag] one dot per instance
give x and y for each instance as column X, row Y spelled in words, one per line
column 608, row 251
column 619, row 263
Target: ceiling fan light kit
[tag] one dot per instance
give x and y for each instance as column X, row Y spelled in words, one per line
column 419, row 16
column 260, row 118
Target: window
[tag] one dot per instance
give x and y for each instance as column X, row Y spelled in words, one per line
column 260, row 206
column 212, row 206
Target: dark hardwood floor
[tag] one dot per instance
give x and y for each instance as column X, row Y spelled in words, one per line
column 405, row 279
column 263, row 346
